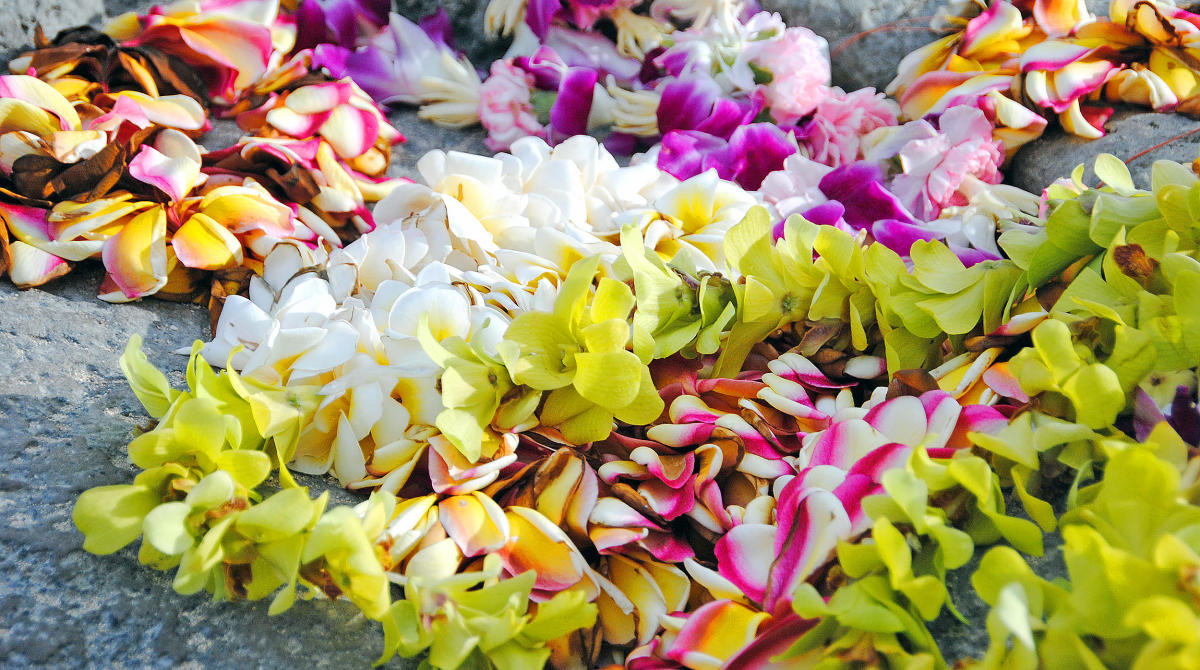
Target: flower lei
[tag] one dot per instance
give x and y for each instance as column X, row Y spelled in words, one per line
column 743, row 402
column 99, row 157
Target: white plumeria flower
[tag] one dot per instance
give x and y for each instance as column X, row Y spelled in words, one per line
column 692, row 219
column 483, row 240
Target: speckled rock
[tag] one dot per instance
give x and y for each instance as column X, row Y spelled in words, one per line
column 422, row 137
column 1130, row 132
column 869, row 59
column 19, row 17
column 467, row 18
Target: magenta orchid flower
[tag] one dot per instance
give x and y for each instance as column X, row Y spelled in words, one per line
column 340, row 22
column 751, row 153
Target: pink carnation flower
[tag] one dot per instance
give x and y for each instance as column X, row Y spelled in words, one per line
column 799, row 72
column 936, row 162
column 835, row 133
column 505, row 109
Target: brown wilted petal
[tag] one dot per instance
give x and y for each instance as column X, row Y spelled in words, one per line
column 817, row 336
column 629, row 495
column 37, row 176
column 911, row 382
column 226, row 282
column 984, row 342
column 1133, row 262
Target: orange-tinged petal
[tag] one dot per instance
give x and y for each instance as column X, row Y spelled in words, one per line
column 475, row 522
column 242, row 209
column 238, row 50
column 994, row 32
column 31, row 266
column 123, row 27
column 1141, row 86
column 30, row 225
column 1147, row 19
column 640, row 587
column 95, row 220
column 537, row 544
column 350, row 131
column 136, row 257
column 1107, row 32
column 173, row 111
column 1060, row 17
column 1183, row 81
column 41, row 95
column 70, row 146
column 317, row 98
column 926, row 59
column 714, row 633
column 1076, row 122
column 20, row 115
column 203, row 243
column 15, row 144
column 1015, row 124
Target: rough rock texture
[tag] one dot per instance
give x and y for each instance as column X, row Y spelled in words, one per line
column 467, row 18
column 867, row 60
column 1130, row 131
column 18, row 18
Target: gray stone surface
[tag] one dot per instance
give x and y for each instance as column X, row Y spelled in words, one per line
column 1130, row 131
column 868, row 60
column 467, row 18
column 18, row 18
column 422, row 137
column 958, row 640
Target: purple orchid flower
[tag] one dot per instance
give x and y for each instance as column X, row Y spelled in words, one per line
column 340, row 22
column 751, row 153
column 569, row 114
column 696, row 103
column 859, row 187
column 391, row 65
column 539, row 14
column 592, row 50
